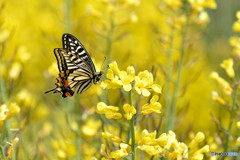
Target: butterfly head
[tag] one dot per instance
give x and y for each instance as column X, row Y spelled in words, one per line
column 97, row 77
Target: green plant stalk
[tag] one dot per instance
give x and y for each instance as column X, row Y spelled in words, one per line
column 78, row 118
column 108, row 52
column 2, row 87
column 177, row 82
column 132, row 122
column 168, row 82
column 228, row 132
column 68, row 26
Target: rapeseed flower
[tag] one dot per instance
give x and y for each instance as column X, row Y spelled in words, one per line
column 110, row 112
column 154, row 106
column 111, row 137
column 217, row 98
column 129, row 111
column 228, row 66
column 7, row 111
column 226, row 87
column 122, row 152
column 144, row 82
column 198, row 138
column 12, row 145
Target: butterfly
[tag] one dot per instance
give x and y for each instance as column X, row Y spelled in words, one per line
column 76, row 69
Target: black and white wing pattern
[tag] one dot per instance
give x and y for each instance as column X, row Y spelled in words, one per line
column 76, row 69
column 73, row 45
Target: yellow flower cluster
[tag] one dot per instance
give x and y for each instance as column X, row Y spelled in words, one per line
column 110, row 112
column 166, row 145
column 225, row 85
column 142, row 83
column 235, row 40
column 236, row 25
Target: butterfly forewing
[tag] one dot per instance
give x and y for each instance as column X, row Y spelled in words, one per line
column 72, row 44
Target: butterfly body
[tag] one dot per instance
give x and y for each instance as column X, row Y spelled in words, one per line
column 76, row 69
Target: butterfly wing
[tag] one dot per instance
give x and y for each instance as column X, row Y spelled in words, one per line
column 79, row 76
column 73, row 45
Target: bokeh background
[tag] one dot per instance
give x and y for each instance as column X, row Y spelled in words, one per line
column 48, row 126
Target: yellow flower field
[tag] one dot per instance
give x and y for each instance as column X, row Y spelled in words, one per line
column 169, row 87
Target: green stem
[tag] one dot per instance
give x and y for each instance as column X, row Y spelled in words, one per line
column 132, row 124
column 3, row 153
column 2, row 87
column 109, row 38
column 68, row 16
column 177, row 82
column 78, row 115
column 228, row 132
column 169, row 80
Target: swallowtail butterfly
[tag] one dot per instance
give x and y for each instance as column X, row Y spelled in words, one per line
column 76, row 68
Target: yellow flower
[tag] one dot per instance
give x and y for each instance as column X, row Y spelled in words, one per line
column 236, row 26
column 238, row 141
column 129, row 111
column 112, row 82
column 144, row 82
column 151, row 150
column 123, row 152
column 235, row 43
column 228, row 66
column 173, row 3
column 111, row 137
column 10, row 149
column 238, row 124
column 198, row 138
column 198, row 155
column 199, row 5
column 114, row 67
column 216, row 97
column 7, row 112
column 238, row 15
column 15, row 70
column 171, row 139
column 119, row 79
column 226, row 87
column 203, row 18
column 110, row 112
column 127, row 78
column 154, row 106
column 150, row 139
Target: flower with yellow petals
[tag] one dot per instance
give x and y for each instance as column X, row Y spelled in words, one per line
column 199, row 5
column 198, row 138
column 110, row 112
column 144, row 82
column 154, row 106
column 127, row 78
column 119, row 79
column 226, row 87
column 123, row 152
column 7, row 112
column 129, row 110
column 198, row 155
column 10, row 149
column 228, row 66
column 238, row 124
column 238, row 141
column 217, row 98
column 111, row 137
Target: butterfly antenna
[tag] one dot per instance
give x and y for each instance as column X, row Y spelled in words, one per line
column 103, row 64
